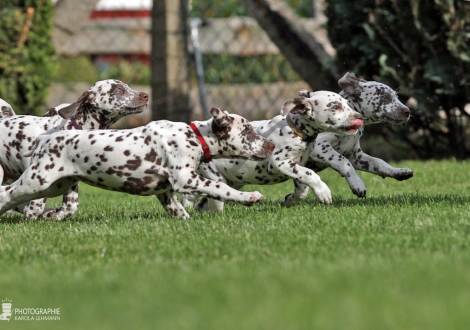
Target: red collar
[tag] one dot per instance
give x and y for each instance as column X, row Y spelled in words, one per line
column 205, row 147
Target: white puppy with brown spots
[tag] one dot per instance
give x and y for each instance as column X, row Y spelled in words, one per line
column 306, row 116
column 5, row 111
column 378, row 103
column 157, row 159
column 98, row 108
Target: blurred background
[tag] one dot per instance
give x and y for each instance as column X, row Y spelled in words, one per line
column 247, row 57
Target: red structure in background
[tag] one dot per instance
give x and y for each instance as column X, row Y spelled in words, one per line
column 97, row 14
column 111, row 58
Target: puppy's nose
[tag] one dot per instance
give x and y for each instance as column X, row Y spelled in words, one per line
column 406, row 111
column 143, row 95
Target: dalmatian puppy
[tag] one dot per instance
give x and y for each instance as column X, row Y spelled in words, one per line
column 5, row 109
column 98, row 108
column 292, row 134
column 157, row 159
column 378, row 103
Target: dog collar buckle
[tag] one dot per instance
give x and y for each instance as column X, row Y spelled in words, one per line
column 205, row 147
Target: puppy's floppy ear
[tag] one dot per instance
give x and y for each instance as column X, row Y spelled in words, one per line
column 221, row 118
column 69, row 110
column 305, row 93
column 350, row 84
column 296, row 105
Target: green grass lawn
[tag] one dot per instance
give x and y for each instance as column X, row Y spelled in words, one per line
column 399, row 259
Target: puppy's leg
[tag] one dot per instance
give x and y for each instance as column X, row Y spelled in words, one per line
column 34, row 208
column 172, row 205
column 300, row 192
column 208, row 204
column 189, row 200
column 364, row 162
column 188, row 181
column 69, row 205
column 208, row 171
column 305, row 176
column 26, row 189
column 35, row 182
column 330, row 157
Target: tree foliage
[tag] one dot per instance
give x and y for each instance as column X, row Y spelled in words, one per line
column 421, row 47
column 26, row 53
column 228, row 8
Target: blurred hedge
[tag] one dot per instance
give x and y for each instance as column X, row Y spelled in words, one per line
column 26, row 55
column 421, row 48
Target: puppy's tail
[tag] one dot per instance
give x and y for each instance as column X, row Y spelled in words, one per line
column 38, row 140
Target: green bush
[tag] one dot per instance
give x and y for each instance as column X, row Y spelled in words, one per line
column 229, row 69
column 25, row 67
column 421, row 47
column 81, row 69
column 136, row 72
column 75, row 69
column 228, row 8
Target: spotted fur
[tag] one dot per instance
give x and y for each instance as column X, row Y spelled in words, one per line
column 321, row 111
column 98, row 108
column 157, row 159
column 378, row 103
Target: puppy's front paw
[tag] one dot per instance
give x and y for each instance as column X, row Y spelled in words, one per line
column 289, row 200
column 256, row 197
column 359, row 189
column 323, row 194
column 403, row 174
column 253, row 197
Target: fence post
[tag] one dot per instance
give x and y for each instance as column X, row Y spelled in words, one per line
column 170, row 83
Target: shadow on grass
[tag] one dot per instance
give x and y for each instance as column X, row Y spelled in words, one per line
column 406, row 199
column 13, row 218
column 399, row 199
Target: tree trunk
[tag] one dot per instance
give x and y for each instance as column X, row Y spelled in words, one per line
column 306, row 55
column 170, row 82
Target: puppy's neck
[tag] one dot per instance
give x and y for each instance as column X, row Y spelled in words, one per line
column 308, row 127
column 213, row 142
column 89, row 118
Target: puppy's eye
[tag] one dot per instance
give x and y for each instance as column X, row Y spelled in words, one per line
column 386, row 97
column 335, row 107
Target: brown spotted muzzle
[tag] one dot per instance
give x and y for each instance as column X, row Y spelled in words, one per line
column 141, row 101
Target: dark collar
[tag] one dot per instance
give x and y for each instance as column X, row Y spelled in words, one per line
column 205, row 147
column 74, row 122
column 297, row 131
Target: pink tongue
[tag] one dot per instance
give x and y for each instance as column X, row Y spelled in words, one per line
column 356, row 124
